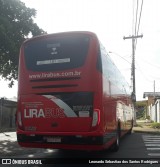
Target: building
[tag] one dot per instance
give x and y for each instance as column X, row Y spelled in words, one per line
column 153, row 109
column 156, row 111
column 7, row 115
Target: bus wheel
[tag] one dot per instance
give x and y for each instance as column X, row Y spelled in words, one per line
column 115, row 146
column 130, row 130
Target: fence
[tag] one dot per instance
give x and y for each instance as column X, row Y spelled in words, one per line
column 7, row 115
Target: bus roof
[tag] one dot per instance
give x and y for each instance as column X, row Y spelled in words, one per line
column 59, row 33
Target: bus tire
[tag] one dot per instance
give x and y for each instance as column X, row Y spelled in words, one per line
column 115, row 146
column 130, row 130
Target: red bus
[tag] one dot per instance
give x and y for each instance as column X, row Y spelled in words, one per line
column 70, row 94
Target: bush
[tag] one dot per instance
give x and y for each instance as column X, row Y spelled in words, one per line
column 148, row 117
column 156, row 125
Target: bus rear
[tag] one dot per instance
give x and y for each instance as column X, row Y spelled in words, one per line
column 60, row 92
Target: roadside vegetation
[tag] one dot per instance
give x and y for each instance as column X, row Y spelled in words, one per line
column 141, row 107
column 147, row 123
column 138, row 125
column 144, row 119
column 155, row 125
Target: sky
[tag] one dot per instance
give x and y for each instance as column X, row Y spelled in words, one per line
column 111, row 20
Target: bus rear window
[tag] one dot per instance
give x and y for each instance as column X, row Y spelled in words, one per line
column 57, row 53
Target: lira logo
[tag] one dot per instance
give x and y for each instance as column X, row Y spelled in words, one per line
column 44, row 113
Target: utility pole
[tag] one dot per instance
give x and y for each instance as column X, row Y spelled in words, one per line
column 154, row 89
column 133, row 70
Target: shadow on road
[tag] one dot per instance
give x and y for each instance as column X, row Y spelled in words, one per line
column 11, row 148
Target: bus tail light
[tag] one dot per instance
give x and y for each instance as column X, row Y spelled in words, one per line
column 96, row 117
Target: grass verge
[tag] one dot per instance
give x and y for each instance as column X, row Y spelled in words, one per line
column 155, row 125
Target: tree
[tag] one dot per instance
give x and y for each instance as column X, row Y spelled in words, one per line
column 16, row 23
column 141, row 107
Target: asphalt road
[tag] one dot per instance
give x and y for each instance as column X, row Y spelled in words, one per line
column 134, row 146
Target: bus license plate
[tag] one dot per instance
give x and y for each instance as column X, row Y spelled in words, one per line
column 53, row 139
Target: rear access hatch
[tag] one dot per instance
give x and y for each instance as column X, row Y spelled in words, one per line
column 62, row 112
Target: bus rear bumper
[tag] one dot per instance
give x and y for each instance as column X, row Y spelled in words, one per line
column 64, row 142
column 63, row 146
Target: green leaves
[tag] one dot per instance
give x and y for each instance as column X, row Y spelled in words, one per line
column 16, row 23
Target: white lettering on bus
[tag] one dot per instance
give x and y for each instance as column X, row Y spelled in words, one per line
column 44, row 113
column 55, row 75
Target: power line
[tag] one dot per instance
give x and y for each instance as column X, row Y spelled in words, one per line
column 136, row 19
column 151, row 64
column 145, row 76
column 134, row 43
column 136, row 33
column 139, row 18
column 120, row 56
column 133, row 18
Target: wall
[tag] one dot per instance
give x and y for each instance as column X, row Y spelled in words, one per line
column 155, row 111
column 7, row 115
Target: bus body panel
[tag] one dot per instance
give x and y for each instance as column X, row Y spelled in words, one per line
column 57, row 113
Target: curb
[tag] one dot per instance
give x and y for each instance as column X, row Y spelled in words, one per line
column 146, row 131
column 5, row 130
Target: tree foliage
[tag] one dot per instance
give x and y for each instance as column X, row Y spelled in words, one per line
column 141, row 107
column 16, row 23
